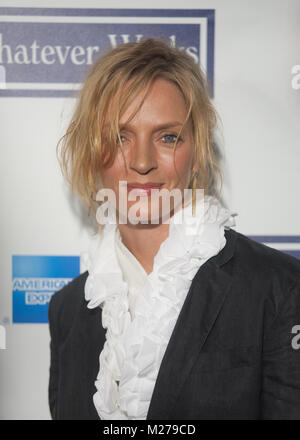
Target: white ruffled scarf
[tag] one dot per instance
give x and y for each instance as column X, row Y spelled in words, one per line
column 133, row 350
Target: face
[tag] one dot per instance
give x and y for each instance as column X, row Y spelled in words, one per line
column 148, row 147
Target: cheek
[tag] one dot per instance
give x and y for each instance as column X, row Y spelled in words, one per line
column 110, row 176
column 182, row 159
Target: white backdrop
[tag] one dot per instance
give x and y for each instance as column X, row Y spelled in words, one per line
column 256, row 47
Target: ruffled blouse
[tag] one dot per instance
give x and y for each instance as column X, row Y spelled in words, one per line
column 133, row 272
column 135, row 345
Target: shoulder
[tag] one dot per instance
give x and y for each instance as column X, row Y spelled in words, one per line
column 262, row 272
column 258, row 257
column 66, row 303
column 73, row 292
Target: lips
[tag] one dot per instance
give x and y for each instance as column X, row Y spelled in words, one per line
column 144, row 185
column 143, row 188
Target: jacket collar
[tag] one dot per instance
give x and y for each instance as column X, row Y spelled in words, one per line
column 228, row 251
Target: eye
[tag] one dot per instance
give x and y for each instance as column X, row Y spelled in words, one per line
column 171, row 138
column 122, row 138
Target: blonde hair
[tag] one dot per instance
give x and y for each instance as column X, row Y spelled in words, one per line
column 113, row 82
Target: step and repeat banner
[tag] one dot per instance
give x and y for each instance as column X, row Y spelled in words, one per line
column 250, row 53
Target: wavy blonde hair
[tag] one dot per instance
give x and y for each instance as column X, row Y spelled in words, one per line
column 113, row 82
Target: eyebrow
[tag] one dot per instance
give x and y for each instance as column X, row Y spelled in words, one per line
column 159, row 126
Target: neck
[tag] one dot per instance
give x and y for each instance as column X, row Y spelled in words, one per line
column 144, row 241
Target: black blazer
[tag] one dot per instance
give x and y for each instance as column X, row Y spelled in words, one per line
column 230, row 355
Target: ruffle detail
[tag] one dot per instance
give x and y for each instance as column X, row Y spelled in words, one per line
column 134, row 348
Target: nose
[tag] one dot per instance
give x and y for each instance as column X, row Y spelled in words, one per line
column 143, row 156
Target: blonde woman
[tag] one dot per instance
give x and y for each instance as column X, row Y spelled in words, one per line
column 177, row 319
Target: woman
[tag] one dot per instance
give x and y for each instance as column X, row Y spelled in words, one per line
column 178, row 319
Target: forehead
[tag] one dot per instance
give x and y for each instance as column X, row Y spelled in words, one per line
column 163, row 100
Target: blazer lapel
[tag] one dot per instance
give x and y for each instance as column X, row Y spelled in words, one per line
column 90, row 339
column 197, row 316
